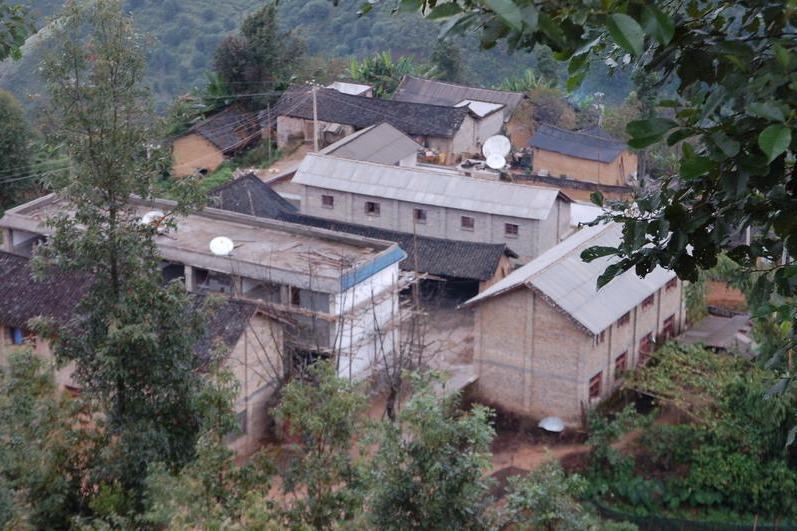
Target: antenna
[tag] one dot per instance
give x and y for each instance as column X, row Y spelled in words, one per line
column 496, row 161
column 221, row 246
column 496, row 145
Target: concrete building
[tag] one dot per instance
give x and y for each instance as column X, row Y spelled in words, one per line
column 429, row 202
column 251, row 335
column 549, row 343
column 339, row 290
column 589, row 156
column 210, row 142
column 445, row 129
column 469, row 266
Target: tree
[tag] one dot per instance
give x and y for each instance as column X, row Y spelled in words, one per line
column 447, row 58
column 259, row 60
column 429, row 470
column 548, row 67
column 15, row 149
column 324, row 413
column 15, row 26
column 384, row 73
column 735, row 100
column 132, row 339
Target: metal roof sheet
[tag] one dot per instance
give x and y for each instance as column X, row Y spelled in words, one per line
column 571, row 284
column 381, row 143
column 416, row 185
column 355, row 89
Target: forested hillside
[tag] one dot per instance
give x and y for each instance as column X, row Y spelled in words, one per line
column 185, row 34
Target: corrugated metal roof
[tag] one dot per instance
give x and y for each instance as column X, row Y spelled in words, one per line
column 480, row 108
column 355, row 89
column 416, row 185
column 570, row 283
column 591, row 145
column 381, row 143
column 418, row 90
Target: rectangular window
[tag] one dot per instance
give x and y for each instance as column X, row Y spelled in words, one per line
column 511, row 230
column 600, row 338
column 645, row 348
column 328, row 201
column 620, row 364
column 372, row 208
column 296, row 296
column 419, row 215
column 17, row 336
column 467, row 223
column 647, row 303
column 595, row 385
column 672, row 284
column 668, row 330
column 624, row 319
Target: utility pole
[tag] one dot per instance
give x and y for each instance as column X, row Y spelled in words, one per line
column 315, row 119
column 268, row 122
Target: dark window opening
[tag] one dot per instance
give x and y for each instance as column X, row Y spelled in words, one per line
column 327, row 201
column 467, row 223
column 595, row 385
column 372, row 208
column 511, row 230
column 419, row 215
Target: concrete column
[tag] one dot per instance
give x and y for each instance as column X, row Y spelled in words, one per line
column 8, row 240
column 190, row 279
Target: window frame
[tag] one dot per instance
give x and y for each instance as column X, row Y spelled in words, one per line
column 649, row 301
column 621, row 364
column 373, row 209
column 419, row 216
column 624, row 319
column 327, row 201
column 595, row 386
column 510, row 234
column 469, row 225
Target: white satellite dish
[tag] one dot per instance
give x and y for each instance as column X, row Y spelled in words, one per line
column 152, row 216
column 496, row 145
column 221, row 246
column 496, row 162
column 552, row 424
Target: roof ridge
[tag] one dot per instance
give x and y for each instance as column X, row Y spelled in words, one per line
column 450, row 84
column 580, row 132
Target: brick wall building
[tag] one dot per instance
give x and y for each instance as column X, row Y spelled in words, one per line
column 549, row 343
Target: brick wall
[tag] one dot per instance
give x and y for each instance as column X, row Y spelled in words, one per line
column 557, row 164
column 193, row 152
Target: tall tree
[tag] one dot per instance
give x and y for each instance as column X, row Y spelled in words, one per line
column 133, row 338
column 448, row 60
column 261, row 58
column 15, row 149
column 15, row 26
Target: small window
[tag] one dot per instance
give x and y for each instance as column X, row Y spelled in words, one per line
column 17, row 336
column 467, row 223
column 595, row 385
column 511, row 230
column 600, row 338
column 372, row 208
column 624, row 319
column 419, row 215
column 668, row 330
column 672, row 284
column 645, row 348
column 621, row 364
column 328, row 201
column 296, row 297
column 647, row 303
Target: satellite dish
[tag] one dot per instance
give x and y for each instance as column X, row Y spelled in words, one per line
column 552, row 424
column 221, row 246
column 496, row 145
column 496, row 162
column 151, row 217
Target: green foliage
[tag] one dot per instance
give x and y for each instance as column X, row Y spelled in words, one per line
column 428, row 472
column 529, row 81
column 324, row 413
column 384, row 73
column 16, row 153
column 15, row 26
column 447, row 59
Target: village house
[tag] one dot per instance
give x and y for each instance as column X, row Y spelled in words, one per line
column 586, row 156
column 448, row 130
column 549, row 343
column 383, row 144
column 210, row 142
column 469, row 267
column 250, row 335
column 339, row 290
column 428, row 201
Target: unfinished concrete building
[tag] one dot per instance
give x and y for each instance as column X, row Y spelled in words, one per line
column 548, row 343
column 432, row 202
column 340, row 291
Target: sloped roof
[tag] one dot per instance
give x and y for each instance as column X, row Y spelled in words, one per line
column 419, row 90
column 562, row 277
column 381, row 143
column 23, row 297
column 425, row 187
column 228, row 130
column 58, row 295
column 358, row 111
column 480, row 108
column 437, row 256
column 597, row 145
column 356, row 89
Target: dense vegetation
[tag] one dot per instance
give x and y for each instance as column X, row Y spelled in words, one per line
column 186, row 34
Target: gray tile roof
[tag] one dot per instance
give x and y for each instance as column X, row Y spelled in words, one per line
column 594, row 144
column 426, row 187
column 410, row 118
column 229, row 130
column 437, row 256
column 563, row 278
column 381, row 143
column 418, row 90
